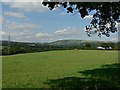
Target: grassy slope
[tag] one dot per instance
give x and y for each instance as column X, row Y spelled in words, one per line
column 32, row 70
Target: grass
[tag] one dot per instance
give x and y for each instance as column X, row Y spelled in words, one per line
column 49, row 69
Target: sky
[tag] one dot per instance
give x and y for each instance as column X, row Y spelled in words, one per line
column 30, row 21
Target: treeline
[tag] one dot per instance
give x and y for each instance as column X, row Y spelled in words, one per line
column 20, row 47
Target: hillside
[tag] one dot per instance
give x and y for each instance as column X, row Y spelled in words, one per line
column 24, row 47
column 72, row 42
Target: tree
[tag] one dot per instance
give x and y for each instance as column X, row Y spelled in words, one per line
column 104, row 19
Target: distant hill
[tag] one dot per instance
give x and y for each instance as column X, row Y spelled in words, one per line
column 24, row 47
column 80, row 43
column 59, row 43
column 72, row 42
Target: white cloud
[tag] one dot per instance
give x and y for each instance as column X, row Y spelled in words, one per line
column 67, row 32
column 63, row 13
column 115, row 39
column 28, row 36
column 47, row 37
column 22, row 26
column 27, row 5
column 2, row 33
column 14, row 14
column 42, row 35
column 118, row 25
column 1, row 19
column 88, row 17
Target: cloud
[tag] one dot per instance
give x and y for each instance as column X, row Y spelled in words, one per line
column 115, row 39
column 69, row 31
column 22, row 26
column 42, row 35
column 23, row 36
column 14, row 14
column 18, row 36
column 63, row 13
column 2, row 19
column 118, row 25
column 27, row 5
column 57, row 35
column 2, row 33
column 28, row 36
column 88, row 17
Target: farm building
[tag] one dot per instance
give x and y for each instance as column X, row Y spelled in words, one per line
column 100, row 48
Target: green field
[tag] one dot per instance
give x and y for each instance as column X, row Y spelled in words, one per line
column 61, row 69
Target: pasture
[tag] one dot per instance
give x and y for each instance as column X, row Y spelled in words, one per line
column 61, row 69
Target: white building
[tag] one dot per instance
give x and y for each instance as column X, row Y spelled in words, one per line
column 109, row 48
column 101, row 48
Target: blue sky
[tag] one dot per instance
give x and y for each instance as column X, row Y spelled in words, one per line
column 32, row 22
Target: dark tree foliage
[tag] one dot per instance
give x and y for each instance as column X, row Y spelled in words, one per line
column 104, row 19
